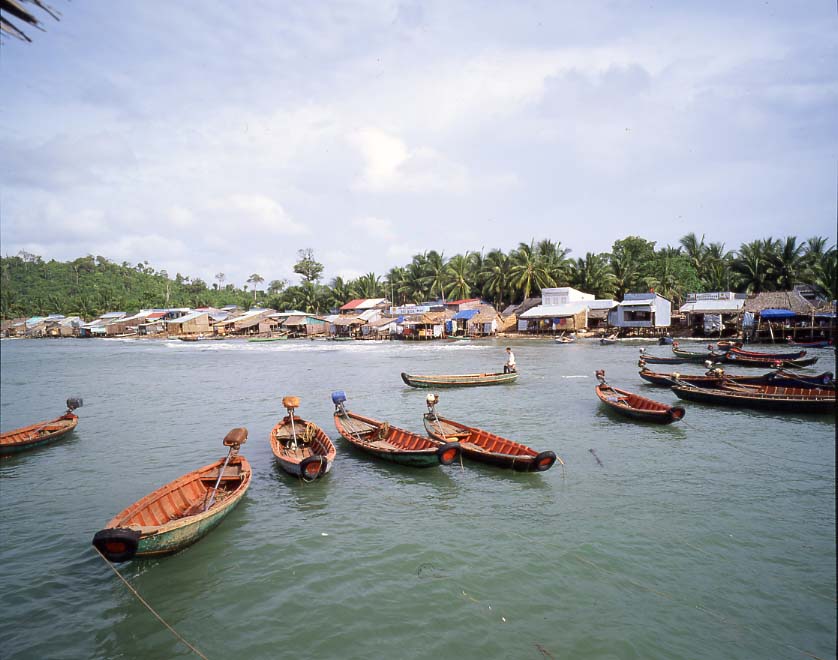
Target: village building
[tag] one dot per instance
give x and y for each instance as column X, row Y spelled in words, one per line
column 780, row 315
column 63, row 326
column 359, row 305
column 245, row 324
column 430, row 325
column 562, row 309
column 188, row 325
column 127, row 325
column 460, row 305
column 385, row 327
column 98, row 327
column 485, row 323
column 713, row 314
column 13, row 327
column 305, row 325
column 639, row 311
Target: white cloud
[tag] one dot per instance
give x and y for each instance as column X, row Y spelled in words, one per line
column 376, row 228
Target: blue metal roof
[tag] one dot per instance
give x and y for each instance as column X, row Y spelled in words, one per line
column 777, row 314
column 465, row 314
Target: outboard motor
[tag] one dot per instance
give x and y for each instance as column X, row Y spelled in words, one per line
column 339, row 398
column 73, row 403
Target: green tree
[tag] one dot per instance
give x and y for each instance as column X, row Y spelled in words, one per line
column 255, row 280
column 592, row 274
column 457, row 273
column 529, row 271
column 307, row 267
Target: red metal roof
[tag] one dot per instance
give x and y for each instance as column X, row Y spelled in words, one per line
column 156, row 315
column 352, row 304
column 460, row 302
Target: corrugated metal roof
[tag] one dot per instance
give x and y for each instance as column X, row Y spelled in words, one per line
column 189, row 317
column 554, row 311
column 156, row 315
column 352, row 304
column 463, row 301
column 713, row 306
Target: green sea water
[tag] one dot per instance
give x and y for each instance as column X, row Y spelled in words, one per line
column 710, row 538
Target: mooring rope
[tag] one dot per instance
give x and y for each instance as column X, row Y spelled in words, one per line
column 149, row 607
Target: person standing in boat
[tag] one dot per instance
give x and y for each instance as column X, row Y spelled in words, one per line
column 509, row 367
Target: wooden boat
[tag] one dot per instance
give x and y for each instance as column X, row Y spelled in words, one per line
column 459, row 380
column 564, row 339
column 659, row 359
column 769, row 363
column 260, row 339
column 42, row 433
column 483, row 446
column 767, row 355
column 607, row 341
column 824, row 343
column 711, row 379
column 181, row 512
column 390, row 443
column 191, row 337
column 777, row 399
column 665, row 340
column 693, row 356
column 635, row 406
column 300, row 447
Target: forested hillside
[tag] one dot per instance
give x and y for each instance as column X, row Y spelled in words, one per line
column 89, row 286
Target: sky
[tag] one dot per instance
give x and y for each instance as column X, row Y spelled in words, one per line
column 208, row 137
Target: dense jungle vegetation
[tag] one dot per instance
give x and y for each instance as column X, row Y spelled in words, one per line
column 89, row 286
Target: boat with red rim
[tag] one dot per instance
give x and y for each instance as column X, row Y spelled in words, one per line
column 301, row 447
column 42, row 433
column 631, row 405
column 390, row 443
column 483, row 446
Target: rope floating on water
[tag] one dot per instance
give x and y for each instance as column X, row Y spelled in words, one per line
column 149, row 607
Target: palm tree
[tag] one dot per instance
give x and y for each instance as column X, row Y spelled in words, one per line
column 528, row 271
column 495, row 276
column 457, row 274
column 395, row 280
column 369, row 286
column 592, row 275
column 413, row 287
column 825, row 273
column 434, row 275
column 554, row 258
column 789, row 263
column 751, row 267
column 340, row 292
column 255, row 280
column 625, row 271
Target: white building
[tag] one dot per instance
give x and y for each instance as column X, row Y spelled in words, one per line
column 641, row 310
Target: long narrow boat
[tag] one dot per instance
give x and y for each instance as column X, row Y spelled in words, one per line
column 390, row 443
column 635, row 406
column 564, row 339
column 181, row 512
column 301, row 447
column 263, row 339
column 710, row 379
column 777, row 399
column 823, row 343
column 483, row 446
column 608, row 341
column 694, row 356
column 42, row 433
column 769, row 363
column 659, row 359
column 459, row 380
column 760, row 355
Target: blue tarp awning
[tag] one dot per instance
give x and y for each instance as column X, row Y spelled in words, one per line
column 777, row 314
column 465, row 315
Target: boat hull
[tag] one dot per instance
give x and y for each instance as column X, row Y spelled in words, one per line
column 813, row 404
column 390, row 443
column 484, row 447
column 311, row 458
column 37, row 435
column 637, row 408
column 769, row 363
column 772, row 378
column 172, row 517
column 462, row 380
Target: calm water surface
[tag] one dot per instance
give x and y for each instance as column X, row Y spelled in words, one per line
column 709, row 538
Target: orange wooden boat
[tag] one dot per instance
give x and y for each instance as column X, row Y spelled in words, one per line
column 42, row 433
column 635, row 406
column 181, row 512
column 484, row 446
column 300, row 447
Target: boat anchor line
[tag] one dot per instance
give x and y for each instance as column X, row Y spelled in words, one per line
column 137, row 595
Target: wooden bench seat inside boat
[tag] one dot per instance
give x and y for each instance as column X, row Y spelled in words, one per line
column 230, row 472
